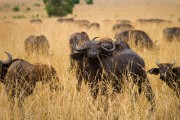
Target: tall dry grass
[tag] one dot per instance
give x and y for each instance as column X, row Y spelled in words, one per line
column 68, row 105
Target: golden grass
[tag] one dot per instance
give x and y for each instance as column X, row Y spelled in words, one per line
column 68, row 105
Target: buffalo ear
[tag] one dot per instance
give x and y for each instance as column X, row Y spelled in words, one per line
column 77, row 56
column 154, row 71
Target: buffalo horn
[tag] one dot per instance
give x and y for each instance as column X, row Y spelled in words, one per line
column 173, row 62
column 157, row 62
column 94, row 38
column 9, row 59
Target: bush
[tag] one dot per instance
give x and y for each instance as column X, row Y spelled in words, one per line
column 75, row 1
column 16, row 8
column 89, row 1
column 58, row 7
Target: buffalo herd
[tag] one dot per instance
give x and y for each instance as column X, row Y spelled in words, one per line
column 98, row 60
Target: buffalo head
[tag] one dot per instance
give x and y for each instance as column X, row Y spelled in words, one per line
column 4, row 65
column 164, row 69
column 93, row 50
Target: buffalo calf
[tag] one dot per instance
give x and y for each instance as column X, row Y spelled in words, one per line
column 168, row 74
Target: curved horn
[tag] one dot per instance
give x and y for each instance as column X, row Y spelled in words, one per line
column 94, row 38
column 157, row 62
column 78, row 49
column 9, row 58
column 173, row 62
column 109, row 50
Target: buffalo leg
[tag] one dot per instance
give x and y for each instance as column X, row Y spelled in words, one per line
column 11, row 106
column 149, row 94
column 117, row 85
column 20, row 106
column 94, row 88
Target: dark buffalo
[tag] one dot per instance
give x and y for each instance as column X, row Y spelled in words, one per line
column 123, row 21
column 81, row 38
column 20, row 77
column 37, row 45
column 36, row 21
column 122, row 27
column 65, row 20
column 171, row 34
column 136, row 37
column 168, row 74
column 156, row 21
column 101, row 64
column 95, row 26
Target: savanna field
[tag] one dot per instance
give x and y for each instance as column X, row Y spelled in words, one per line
column 68, row 104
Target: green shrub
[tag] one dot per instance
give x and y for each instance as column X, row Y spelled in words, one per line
column 89, row 1
column 75, row 1
column 16, row 9
column 58, row 7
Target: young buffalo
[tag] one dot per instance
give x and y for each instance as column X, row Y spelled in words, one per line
column 169, row 74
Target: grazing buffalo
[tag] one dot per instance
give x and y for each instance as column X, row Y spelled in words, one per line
column 157, row 21
column 36, row 21
column 171, row 34
column 122, row 27
column 95, row 26
column 83, row 23
column 136, row 37
column 168, row 74
column 37, row 45
column 20, row 77
column 65, row 20
column 101, row 64
column 123, row 21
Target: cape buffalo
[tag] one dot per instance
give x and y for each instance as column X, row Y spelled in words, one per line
column 20, row 77
column 37, row 45
column 102, row 64
column 122, row 27
column 82, row 23
column 168, row 74
column 136, row 37
column 171, row 34
column 157, row 21
column 123, row 21
column 36, row 21
column 65, row 20
column 81, row 37
column 95, row 26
